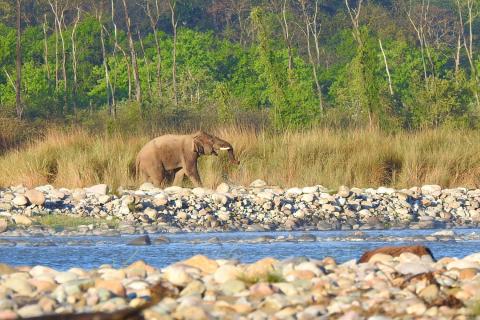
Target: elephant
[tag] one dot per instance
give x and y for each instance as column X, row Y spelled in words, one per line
column 178, row 154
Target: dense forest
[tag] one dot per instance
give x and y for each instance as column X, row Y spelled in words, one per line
column 396, row 64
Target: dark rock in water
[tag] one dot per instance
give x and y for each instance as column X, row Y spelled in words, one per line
column 86, row 243
column 161, row 240
column 7, row 243
column 324, row 226
column 213, row 240
column 262, row 239
column 307, row 238
column 46, row 243
column 140, row 241
column 397, row 251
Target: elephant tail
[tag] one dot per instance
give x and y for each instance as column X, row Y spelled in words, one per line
column 134, row 169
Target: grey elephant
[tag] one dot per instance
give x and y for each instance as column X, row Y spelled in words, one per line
column 178, row 154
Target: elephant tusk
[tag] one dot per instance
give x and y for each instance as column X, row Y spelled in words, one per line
column 225, row 148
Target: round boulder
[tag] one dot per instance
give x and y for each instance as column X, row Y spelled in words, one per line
column 35, row 197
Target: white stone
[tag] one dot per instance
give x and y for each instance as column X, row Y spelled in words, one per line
column 431, row 189
column 258, row 184
column 413, row 268
column 97, row 189
column 20, row 200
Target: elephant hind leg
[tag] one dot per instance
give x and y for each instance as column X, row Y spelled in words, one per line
column 154, row 173
column 179, row 175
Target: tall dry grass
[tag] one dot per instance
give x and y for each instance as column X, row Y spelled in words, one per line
column 331, row 158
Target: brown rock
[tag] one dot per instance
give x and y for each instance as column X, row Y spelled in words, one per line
column 261, row 289
column 43, row 286
column 139, row 268
column 203, row 263
column 467, row 274
column 3, row 225
column 113, row 286
column 396, row 251
column 35, row 197
column 261, row 267
column 47, row 304
column 23, row 220
column 6, row 269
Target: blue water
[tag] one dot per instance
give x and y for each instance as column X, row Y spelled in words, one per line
column 115, row 251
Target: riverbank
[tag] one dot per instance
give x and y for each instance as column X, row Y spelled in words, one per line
column 407, row 286
column 259, row 207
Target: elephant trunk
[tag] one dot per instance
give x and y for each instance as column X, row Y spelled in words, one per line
column 231, row 157
column 224, row 145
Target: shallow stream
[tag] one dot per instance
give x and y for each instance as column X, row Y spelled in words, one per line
column 92, row 251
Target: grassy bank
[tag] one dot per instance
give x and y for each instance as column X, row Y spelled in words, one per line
column 360, row 158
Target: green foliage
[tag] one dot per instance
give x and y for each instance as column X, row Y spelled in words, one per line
column 236, row 64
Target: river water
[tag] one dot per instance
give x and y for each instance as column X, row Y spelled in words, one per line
column 93, row 251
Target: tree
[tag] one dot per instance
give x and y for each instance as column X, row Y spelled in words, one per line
column 133, row 55
column 18, row 82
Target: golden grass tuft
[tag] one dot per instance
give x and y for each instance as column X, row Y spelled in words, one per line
column 362, row 158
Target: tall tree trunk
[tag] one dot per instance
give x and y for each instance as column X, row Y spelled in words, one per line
column 114, row 54
column 311, row 29
column 147, row 64
column 74, row 63
column 108, row 85
column 172, row 4
column 45, row 45
column 153, row 24
column 136, row 77
column 18, row 82
column 59, row 19
column 386, row 67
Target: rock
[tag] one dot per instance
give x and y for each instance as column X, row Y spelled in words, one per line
column 444, row 233
column 161, row 240
column 429, row 293
column 258, row 184
column 418, row 309
column 412, row 268
column 151, row 213
column 29, row 311
column 207, row 266
column 140, row 241
column 6, row 269
column 177, row 276
column 19, row 285
column 20, row 201
column 147, row 186
column 3, row 225
column 23, row 220
column 35, row 197
column 343, row 192
column 114, row 286
column 231, row 287
column 64, row 277
column 101, row 189
column 223, row 188
column 432, row 189
column 219, row 198
column 261, row 268
column 193, row 288
column 463, row 264
column 397, row 251
column 227, row 272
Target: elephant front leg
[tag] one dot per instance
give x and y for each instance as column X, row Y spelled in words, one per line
column 192, row 173
column 179, row 175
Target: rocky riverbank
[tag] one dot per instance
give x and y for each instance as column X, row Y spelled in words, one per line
column 255, row 208
column 386, row 287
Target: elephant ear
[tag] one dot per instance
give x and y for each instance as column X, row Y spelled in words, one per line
column 197, row 146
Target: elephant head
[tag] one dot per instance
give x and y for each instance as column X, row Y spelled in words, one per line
column 207, row 144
